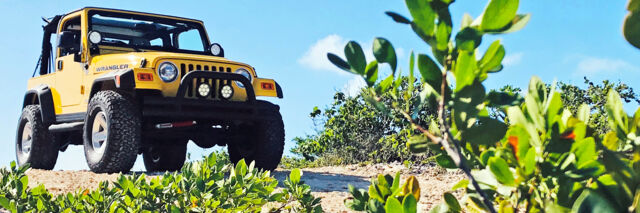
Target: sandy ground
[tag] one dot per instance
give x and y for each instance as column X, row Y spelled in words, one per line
column 328, row 183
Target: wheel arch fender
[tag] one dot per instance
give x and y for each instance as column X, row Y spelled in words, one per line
column 121, row 80
column 42, row 96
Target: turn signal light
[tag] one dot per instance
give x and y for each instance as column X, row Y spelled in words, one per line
column 267, row 86
column 145, row 77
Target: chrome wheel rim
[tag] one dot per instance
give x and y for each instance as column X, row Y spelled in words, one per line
column 99, row 133
column 27, row 138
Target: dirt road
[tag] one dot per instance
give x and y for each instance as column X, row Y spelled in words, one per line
column 328, row 183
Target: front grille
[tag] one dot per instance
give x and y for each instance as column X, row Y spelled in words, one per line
column 215, row 84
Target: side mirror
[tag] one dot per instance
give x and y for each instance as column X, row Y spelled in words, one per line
column 68, row 40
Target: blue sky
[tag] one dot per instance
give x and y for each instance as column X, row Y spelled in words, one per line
column 288, row 41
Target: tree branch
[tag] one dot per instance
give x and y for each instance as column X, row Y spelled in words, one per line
column 454, row 151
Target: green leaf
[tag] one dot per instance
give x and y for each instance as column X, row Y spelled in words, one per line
column 398, row 18
column 530, row 162
column 295, row 175
column 386, row 84
column 410, row 204
column 465, row 70
column 430, row 71
column 372, row 73
column 492, row 58
column 485, row 155
column 339, row 62
column 498, row 14
column 500, row 170
column 591, row 201
column 355, row 57
column 466, row 21
column 452, row 202
column 4, row 202
column 585, row 151
column 634, row 5
column 631, row 28
column 384, row 52
column 423, row 16
column 519, row 22
column 503, row 99
column 610, row 140
column 443, row 34
column 445, row 161
column 468, row 39
column 488, row 131
column 460, row 185
column 241, row 168
column 418, row 144
column 616, row 115
column 374, row 206
column 584, row 111
column 393, row 205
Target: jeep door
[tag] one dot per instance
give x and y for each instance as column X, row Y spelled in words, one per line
column 69, row 69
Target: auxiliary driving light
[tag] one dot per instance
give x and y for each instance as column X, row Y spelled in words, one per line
column 226, row 92
column 204, row 89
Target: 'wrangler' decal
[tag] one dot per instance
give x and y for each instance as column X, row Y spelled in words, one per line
column 112, row 67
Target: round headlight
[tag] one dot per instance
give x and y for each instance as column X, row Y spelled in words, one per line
column 216, row 50
column 204, row 89
column 226, row 91
column 244, row 73
column 167, row 71
column 95, row 37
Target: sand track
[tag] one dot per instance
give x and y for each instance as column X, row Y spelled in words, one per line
column 328, row 183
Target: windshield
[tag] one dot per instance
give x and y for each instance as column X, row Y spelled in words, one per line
column 142, row 33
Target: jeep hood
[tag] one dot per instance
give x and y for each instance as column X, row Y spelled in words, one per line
column 119, row 61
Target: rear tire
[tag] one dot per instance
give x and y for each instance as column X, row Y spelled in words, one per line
column 262, row 142
column 112, row 133
column 165, row 156
column 34, row 143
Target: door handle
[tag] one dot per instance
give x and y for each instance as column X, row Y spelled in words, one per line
column 59, row 66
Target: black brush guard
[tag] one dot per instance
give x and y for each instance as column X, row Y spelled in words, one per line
column 182, row 108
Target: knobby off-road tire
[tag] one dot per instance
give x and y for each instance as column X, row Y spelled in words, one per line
column 265, row 142
column 165, row 156
column 34, row 143
column 112, row 132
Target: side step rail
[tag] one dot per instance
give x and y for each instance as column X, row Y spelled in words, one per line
column 66, row 127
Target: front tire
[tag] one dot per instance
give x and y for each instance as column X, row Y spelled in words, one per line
column 112, row 133
column 262, row 142
column 165, row 156
column 34, row 143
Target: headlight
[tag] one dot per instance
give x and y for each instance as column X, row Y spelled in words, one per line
column 167, row 71
column 244, row 73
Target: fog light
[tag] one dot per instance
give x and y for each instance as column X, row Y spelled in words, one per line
column 226, row 91
column 204, row 89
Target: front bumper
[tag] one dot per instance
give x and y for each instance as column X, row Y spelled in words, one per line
column 183, row 108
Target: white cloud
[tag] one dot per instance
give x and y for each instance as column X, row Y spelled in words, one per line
column 512, row 59
column 593, row 66
column 316, row 56
column 354, row 86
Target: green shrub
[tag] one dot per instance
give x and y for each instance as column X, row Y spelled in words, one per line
column 352, row 131
column 539, row 156
column 385, row 194
column 208, row 185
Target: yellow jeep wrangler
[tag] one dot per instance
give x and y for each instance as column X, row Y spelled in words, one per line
column 124, row 83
